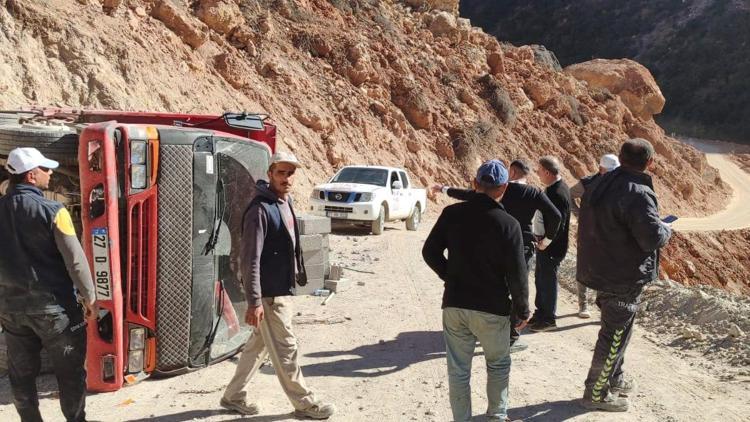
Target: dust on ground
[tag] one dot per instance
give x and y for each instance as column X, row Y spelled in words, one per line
column 376, row 351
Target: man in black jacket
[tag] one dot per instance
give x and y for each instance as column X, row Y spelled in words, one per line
column 485, row 266
column 521, row 201
column 44, row 274
column 550, row 253
column 619, row 237
column 271, row 265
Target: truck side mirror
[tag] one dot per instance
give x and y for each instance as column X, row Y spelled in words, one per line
column 397, row 185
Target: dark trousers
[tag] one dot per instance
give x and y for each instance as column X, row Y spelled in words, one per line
column 545, row 278
column 63, row 335
column 528, row 253
column 618, row 315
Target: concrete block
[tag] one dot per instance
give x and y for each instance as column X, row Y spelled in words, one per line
column 318, row 256
column 309, row 242
column 324, row 240
column 312, row 224
column 337, row 286
column 335, row 272
column 311, row 286
column 315, row 271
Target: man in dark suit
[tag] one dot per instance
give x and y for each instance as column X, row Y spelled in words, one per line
column 551, row 250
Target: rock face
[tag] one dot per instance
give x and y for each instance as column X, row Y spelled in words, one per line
column 370, row 83
column 445, row 5
column 626, row 78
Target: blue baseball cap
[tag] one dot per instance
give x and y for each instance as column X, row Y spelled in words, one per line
column 493, row 173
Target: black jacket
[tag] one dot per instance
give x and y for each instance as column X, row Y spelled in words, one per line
column 619, row 233
column 34, row 275
column 521, row 201
column 559, row 194
column 485, row 258
column 269, row 257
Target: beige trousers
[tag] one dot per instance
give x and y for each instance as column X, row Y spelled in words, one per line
column 277, row 340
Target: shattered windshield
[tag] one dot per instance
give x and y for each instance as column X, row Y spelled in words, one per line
column 363, row 175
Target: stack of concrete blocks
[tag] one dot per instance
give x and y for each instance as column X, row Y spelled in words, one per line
column 314, row 233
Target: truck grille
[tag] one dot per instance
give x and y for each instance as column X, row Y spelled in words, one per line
column 339, row 196
column 338, row 209
column 139, row 281
column 175, row 257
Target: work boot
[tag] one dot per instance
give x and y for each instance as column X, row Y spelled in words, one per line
column 583, row 311
column 623, row 388
column 318, row 410
column 541, row 326
column 609, row 403
column 239, row 406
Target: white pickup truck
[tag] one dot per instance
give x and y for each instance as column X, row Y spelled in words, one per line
column 370, row 195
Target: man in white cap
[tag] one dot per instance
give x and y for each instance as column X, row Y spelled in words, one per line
column 607, row 163
column 42, row 270
column 271, row 265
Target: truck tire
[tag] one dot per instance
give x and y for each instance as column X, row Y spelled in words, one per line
column 58, row 143
column 378, row 225
column 412, row 223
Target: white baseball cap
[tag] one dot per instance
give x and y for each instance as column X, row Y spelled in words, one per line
column 609, row 162
column 285, row 157
column 21, row 160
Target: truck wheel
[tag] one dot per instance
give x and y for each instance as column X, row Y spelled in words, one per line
column 378, row 225
column 412, row 223
column 58, row 143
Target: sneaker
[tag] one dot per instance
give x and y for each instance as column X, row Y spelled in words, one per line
column 623, row 388
column 584, row 313
column 518, row 346
column 238, row 406
column 541, row 326
column 610, row 403
column 316, row 411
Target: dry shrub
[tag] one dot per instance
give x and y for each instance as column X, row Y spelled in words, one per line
column 499, row 99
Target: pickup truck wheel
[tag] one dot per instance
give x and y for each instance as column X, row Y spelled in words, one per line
column 412, row 223
column 378, row 225
column 59, row 143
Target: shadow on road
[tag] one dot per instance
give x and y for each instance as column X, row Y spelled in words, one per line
column 194, row 415
column 555, row 411
column 382, row 358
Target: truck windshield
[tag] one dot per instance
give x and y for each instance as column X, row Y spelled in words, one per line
column 363, row 175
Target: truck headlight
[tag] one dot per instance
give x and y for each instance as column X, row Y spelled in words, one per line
column 317, row 194
column 138, row 176
column 135, row 361
column 138, row 152
column 365, row 197
column 137, row 339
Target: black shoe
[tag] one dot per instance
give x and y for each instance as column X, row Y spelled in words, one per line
column 542, row 326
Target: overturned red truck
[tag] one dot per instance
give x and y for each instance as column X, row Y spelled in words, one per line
column 159, row 198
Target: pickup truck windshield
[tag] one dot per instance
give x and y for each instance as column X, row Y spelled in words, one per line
column 363, row 175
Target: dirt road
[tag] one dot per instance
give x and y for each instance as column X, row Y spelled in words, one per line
column 376, row 350
column 735, row 215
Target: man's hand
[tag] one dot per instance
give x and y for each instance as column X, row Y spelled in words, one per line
column 436, row 188
column 254, row 315
column 521, row 325
column 91, row 310
column 542, row 244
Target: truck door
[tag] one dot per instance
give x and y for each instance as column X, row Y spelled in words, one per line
column 397, row 193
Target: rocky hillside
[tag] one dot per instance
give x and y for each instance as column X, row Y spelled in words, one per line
column 360, row 81
column 697, row 49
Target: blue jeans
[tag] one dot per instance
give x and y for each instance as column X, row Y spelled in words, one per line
column 545, row 278
column 461, row 329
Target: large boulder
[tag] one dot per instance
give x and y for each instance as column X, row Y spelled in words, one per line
column 446, row 5
column 628, row 79
column 220, row 15
column 190, row 30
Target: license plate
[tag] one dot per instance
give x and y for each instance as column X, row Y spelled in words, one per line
column 102, row 275
column 333, row 214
